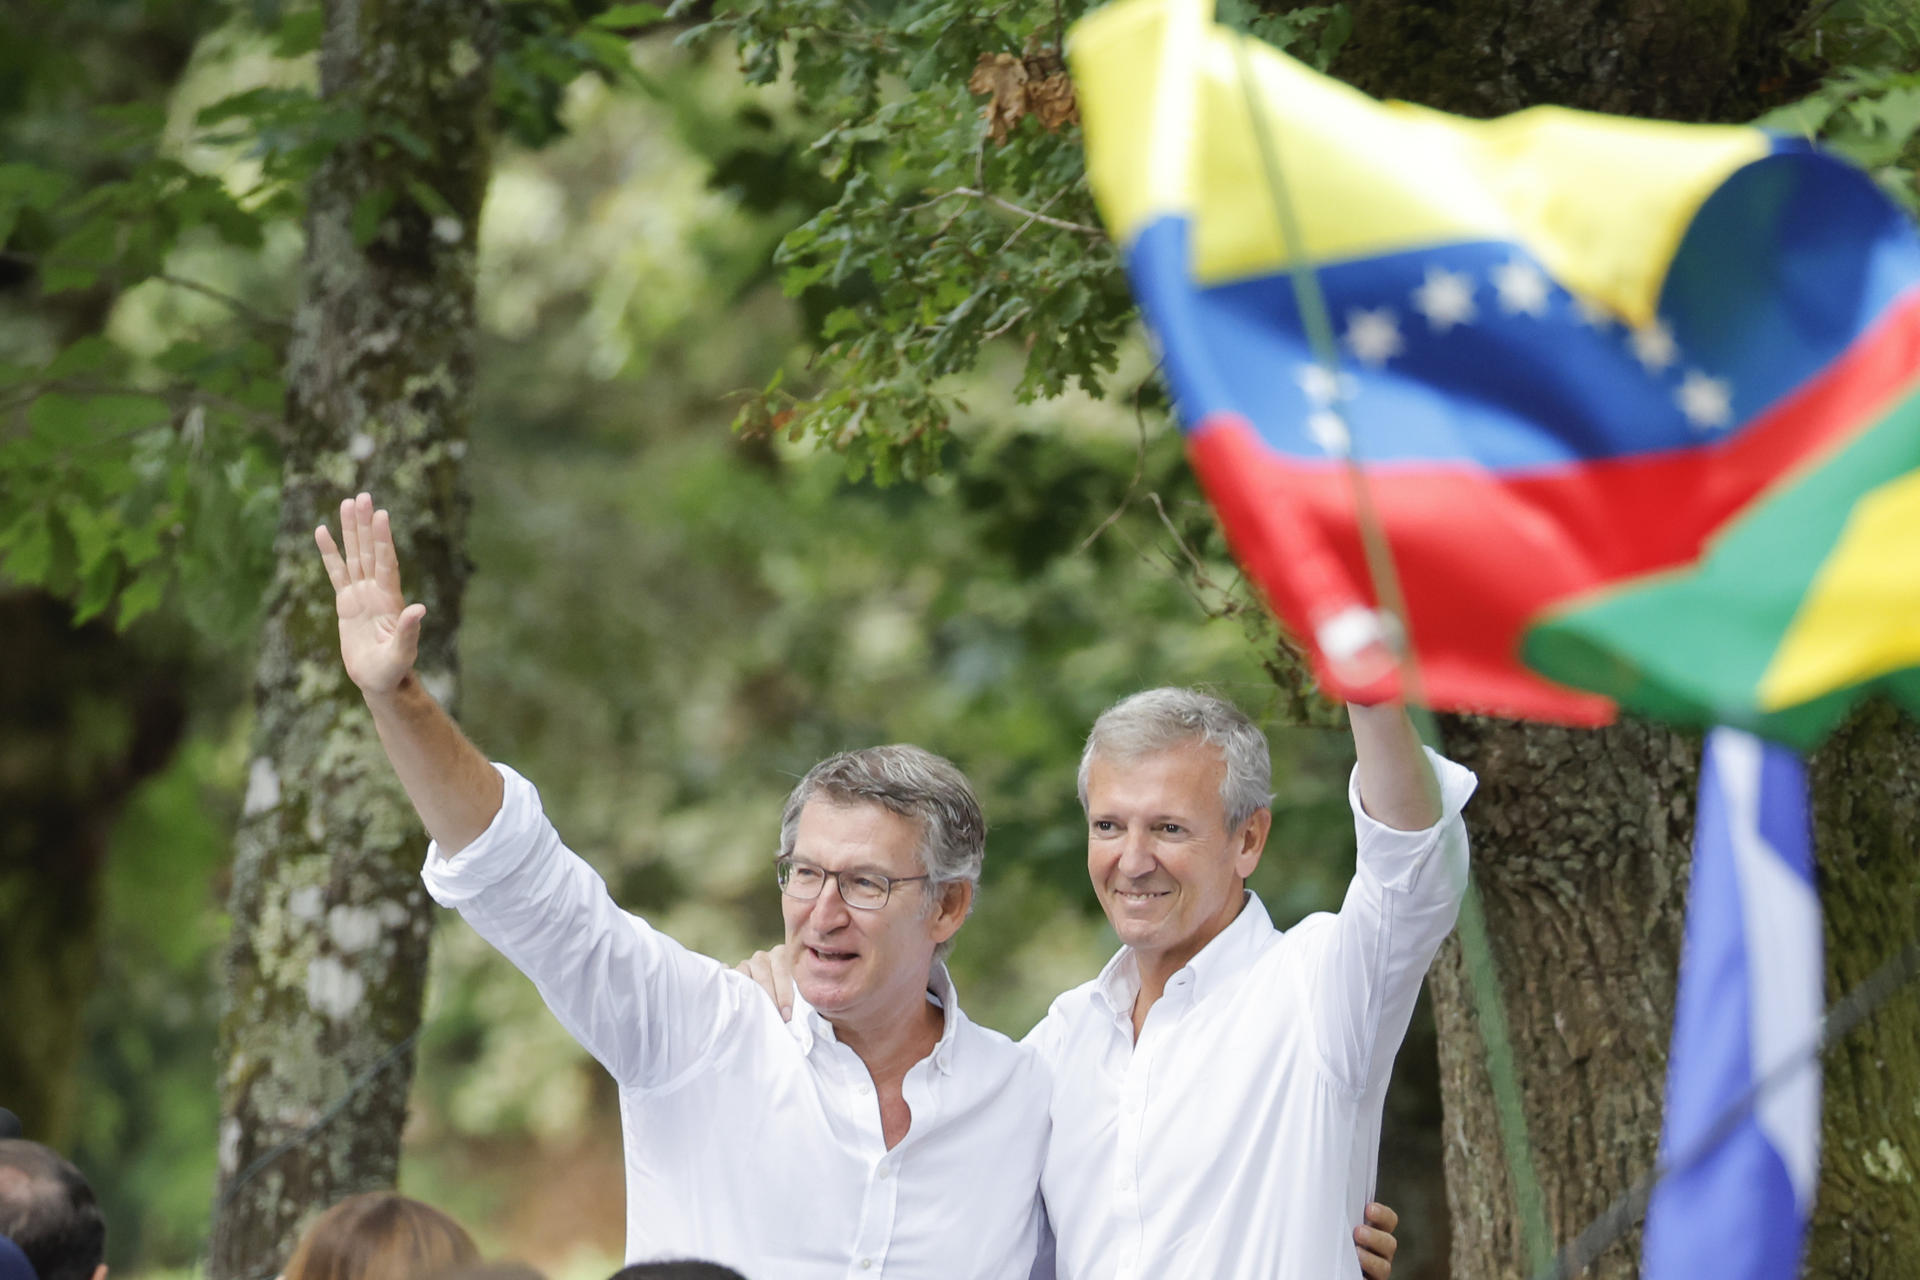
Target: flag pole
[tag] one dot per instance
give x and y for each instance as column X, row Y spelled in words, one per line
column 1378, row 552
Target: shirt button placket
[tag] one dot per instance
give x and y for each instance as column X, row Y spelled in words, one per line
column 1133, row 1088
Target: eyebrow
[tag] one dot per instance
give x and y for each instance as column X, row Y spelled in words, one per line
column 858, row 868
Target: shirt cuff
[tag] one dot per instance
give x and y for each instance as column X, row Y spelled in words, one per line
column 1395, row 857
column 512, row 837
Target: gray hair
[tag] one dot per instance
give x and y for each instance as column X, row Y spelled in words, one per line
column 916, row 784
column 1160, row 719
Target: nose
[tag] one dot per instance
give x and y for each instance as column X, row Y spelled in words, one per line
column 829, row 911
column 1136, row 854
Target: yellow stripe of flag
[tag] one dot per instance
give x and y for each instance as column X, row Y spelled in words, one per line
column 1601, row 201
column 1858, row 618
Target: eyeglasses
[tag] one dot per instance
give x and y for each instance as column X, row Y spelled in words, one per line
column 862, row 889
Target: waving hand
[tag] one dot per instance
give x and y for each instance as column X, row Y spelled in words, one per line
column 379, row 630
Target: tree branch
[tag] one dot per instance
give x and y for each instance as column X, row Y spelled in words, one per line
column 239, row 307
column 1030, row 214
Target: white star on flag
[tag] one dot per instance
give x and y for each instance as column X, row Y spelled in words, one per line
column 1591, row 313
column 1445, row 298
column 1329, row 431
column 1654, row 346
column 1707, row 402
column 1523, row 289
column 1374, row 336
column 1322, row 385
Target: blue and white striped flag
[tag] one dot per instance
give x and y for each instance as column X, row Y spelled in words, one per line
column 1741, row 1183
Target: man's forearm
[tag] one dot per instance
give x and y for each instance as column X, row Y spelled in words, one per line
column 1397, row 786
column 454, row 789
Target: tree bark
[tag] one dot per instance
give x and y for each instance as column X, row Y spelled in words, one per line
column 327, row 963
column 1580, row 850
column 85, row 715
column 1582, row 840
column 1866, row 784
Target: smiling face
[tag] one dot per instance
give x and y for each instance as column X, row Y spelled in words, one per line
column 863, row 969
column 1166, row 867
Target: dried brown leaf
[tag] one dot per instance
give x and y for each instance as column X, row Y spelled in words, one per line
column 1003, row 77
column 1053, row 103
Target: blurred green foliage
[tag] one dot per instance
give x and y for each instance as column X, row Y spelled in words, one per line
column 1868, row 104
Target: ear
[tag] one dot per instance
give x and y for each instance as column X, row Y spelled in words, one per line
column 956, row 897
column 1251, row 841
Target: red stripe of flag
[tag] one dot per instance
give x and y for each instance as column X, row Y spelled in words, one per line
column 1525, row 541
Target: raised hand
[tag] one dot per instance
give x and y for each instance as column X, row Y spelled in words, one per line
column 379, row 630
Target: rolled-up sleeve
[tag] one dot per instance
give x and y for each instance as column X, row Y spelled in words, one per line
column 650, row 1010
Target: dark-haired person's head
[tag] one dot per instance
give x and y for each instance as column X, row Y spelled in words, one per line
column 48, row 1209
column 684, row 1270
column 380, row 1235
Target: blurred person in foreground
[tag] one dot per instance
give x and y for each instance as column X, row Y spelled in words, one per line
column 48, row 1209
column 490, row 1271
column 380, row 1235
column 681, row 1270
column 1218, row 1089
column 13, row 1263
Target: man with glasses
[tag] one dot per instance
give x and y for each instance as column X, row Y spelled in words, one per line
column 880, row 1132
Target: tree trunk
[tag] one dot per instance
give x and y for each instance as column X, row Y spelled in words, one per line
column 327, row 962
column 85, row 715
column 1582, row 840
column 1580, row 850
column 1866, row 783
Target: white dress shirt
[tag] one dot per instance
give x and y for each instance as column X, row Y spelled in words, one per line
column 752, row 1141
column 1237, row 1139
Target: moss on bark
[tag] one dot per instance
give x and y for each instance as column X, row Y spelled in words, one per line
column 326, row 967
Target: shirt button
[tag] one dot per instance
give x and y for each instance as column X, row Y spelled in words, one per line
column 886, row 1171
column 865, row 1089
column 1133, row 1106
column 866, row 1264
column 1126, row 1183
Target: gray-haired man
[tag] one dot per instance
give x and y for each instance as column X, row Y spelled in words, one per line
column 1218, row 1088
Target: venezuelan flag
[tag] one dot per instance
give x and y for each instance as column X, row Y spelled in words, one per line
column 1638, row 403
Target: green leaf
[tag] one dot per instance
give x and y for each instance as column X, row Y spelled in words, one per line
column 92, row 534
column 368, row 212
column 91, row 354
column 626, row 16
column 427, row 198
column 96, row 590
column 57, row 418
column 299, row 33
column 410, row 142
column 77, row 261
column 29, row 548
column 31, row 186
column 142, row 596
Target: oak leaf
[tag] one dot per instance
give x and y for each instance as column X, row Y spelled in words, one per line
column 1003, row 77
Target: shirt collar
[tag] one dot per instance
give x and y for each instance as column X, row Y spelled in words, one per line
column 1231, row 951
column 809, row 1024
